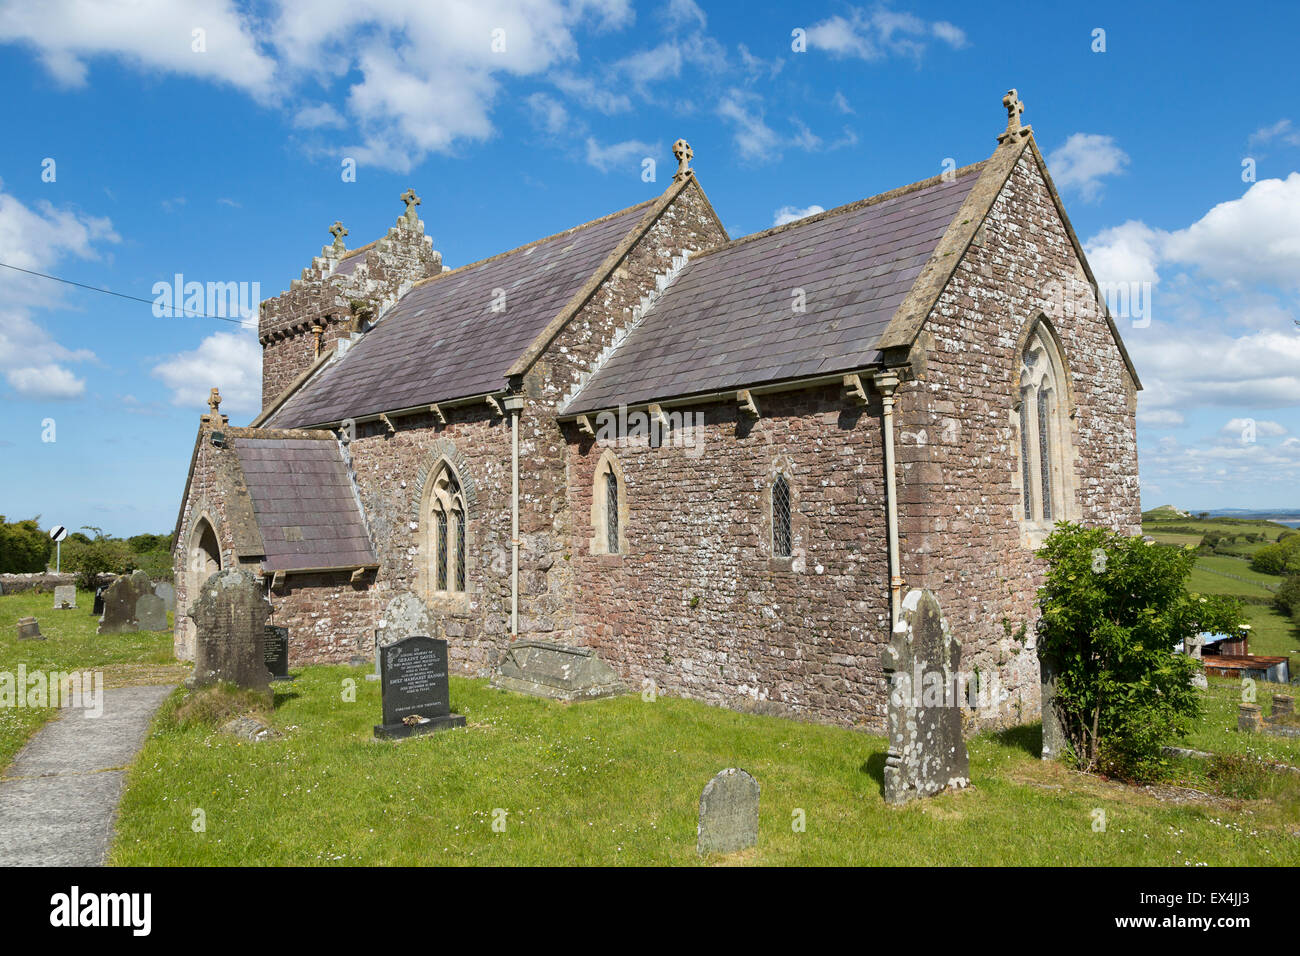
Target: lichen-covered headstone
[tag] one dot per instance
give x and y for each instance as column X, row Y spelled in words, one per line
column 405, row 616
column 1053, row 733
column 65, row 596
column 167, row 591
column 29, row 629
column 120, row 601
column 728, row 813
column 150, row 613
column 923, row 663
column 230, row 623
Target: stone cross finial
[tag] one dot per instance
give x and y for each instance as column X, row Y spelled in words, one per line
column 412, row 200
column 684, row 154
column 214, row 402
column 1014, row 108
column 338, row 232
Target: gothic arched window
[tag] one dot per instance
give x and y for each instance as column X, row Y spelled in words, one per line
column 608, row 508
column 782, row 529
column 447, row 547
column 1043, row 431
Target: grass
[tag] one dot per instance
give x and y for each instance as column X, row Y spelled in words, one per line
column 618, row 781
column 71, row 644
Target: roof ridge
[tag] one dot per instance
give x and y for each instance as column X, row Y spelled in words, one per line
column 841, row 210
column 528, row 245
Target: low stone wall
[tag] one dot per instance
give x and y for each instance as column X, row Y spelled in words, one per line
column 45, row 581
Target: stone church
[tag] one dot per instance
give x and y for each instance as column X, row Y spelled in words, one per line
column 716, row 462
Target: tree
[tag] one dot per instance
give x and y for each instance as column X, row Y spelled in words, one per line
column 24, row 547
column 1287, row 599
column 101, row 555
column 1113, row 611
column 1282, row 557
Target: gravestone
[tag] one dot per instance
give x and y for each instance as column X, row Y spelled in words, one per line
column 150, row 613
column 276, row 654
column 230, row 615
column 544, row 669
column 1053, row 733
column 405, row 616
column 1250, row 718
column 1194, row 647
column 922, row 662
column 65, row 596
column 728, row 813
column 167, row 591
column 414, row 687
column 29, row 630
column 120, row 602
column 97, row 609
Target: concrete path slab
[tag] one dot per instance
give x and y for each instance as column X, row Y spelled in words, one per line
column 59, row 797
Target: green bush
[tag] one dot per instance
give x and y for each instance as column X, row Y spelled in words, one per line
column 101, row 555
column 1287, row 599
column 1113, row 611
column 1282, row 557
column 24, row 547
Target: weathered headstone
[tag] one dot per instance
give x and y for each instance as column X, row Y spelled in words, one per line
column 65, row 596
column 405, row 616
column 167, row 591
column 230, row 615
column 277, row 652
column 1194, row 647
column 1250, row 718
column 150, row 613
column 728, row 813
column 544, row 669
column 1053, row 733
column 29, row 630
column 1283, row 705
column 97, row 609
column 415, row 689
column 923, row 662
column 120, row 602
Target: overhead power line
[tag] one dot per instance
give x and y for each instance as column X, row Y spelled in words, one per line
column 122, row 295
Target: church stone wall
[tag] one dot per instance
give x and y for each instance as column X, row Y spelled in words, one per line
column 700, row 606
column 958, row 442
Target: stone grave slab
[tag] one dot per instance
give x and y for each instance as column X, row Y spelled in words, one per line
column 29, row 629
column 120, row 603
column 277, row 652
column 65, row 597
column 167, row 591
column 230, row 615
column 150, row 613
column 545, row 669
column 922, row 661
column 728, row 813
column 415, row 689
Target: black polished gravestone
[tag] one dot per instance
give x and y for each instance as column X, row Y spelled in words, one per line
column 413, row 681
column 276, row 654
column 98, row 608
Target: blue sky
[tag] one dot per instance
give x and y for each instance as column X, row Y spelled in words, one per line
column 223, row 164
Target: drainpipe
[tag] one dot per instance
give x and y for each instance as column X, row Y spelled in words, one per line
column 514, row 405
column 886, row 382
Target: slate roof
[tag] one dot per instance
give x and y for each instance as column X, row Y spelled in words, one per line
column 726, row 320
column 442, row 341
column 306, row 509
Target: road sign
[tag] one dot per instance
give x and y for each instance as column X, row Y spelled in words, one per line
column 58, row 532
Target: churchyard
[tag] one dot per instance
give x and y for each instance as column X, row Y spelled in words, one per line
column 618, row 780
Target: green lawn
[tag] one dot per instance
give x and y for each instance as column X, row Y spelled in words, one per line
column 71, row 644
column 618, row 781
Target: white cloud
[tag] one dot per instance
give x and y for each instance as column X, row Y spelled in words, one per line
column 685, row 13
column 1082, row 161
column 880, row 33
column 1160, row 417
column 548, row 113
column 1236, row 426
column 624, row 154
column 1186, row 369
column 788, row 214
column 151, row 35
column 1283, row 131
column 1127, row 253
column 416, row 77
column 754, row 138
column 230, row 361
column 38, row 238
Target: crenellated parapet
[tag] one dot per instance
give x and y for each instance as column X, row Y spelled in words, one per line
column 339, row 293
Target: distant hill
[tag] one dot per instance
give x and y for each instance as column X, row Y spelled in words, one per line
column 1167, row 511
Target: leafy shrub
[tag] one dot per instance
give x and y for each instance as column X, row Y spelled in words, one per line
column 24, row 547
column 100, row 555
column 1113, row 611
column 1287, row 599
column 1281, row 557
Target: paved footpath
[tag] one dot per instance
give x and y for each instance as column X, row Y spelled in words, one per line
column 59, row 797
